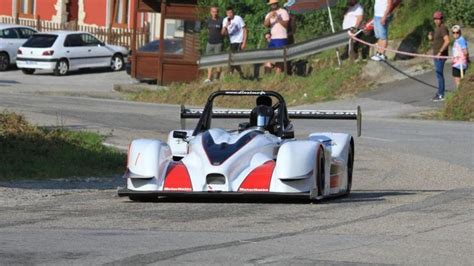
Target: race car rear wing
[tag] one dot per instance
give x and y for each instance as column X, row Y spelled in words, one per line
column 292, row 114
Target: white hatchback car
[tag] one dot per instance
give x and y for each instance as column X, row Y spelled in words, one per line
column 63, row 51
column 11, row 38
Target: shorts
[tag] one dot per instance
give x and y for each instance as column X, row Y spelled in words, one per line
column 213, row 48
column 381, row 31
column 235, row 47
column 457, row 72
column 277, row 43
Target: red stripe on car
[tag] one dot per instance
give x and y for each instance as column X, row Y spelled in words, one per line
column 259, row 179
column 177, row 178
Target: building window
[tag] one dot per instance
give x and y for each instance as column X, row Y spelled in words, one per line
column 120, row 13
column 26, row 8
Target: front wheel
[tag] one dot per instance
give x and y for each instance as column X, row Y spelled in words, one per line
column 62, row 67
column 350, row 168
column 4, row 61
column 28, row 71
column 117, row 63
column 319, row 180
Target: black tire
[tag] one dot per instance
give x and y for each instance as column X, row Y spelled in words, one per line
column 117, row 63
column 350, row 168
column 322, row 174
column 62, row 68
column 4, row 61
column 28, row 71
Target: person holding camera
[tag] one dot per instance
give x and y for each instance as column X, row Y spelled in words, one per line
column 234, row 26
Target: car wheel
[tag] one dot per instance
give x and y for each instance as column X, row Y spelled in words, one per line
column 28, row 71
column 350, row 168
column 62, row 68
column 4, row 61
column 117, row 64
column 318, row 191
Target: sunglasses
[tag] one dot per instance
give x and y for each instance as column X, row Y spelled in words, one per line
column 455, row 32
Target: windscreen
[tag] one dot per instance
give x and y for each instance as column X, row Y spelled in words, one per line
column 41, row 41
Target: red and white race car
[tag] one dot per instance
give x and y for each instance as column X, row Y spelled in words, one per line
column 260, row 157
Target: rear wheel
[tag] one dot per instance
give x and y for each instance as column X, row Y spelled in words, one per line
column 350, row 168
column 4, row 61
column 28, row 71
column 117, row 63
column 62, row 67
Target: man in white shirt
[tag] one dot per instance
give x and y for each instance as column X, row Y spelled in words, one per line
column 234, row 27
column 352, row 19
column 382, row 11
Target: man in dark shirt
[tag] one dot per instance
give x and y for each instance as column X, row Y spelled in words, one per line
column 440, row 40
column 215, row 39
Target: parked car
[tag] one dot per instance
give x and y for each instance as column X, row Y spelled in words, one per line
column 63, row 51
column 11, row 38
column 172, row 46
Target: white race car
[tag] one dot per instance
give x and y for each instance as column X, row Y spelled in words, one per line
column 261, row 157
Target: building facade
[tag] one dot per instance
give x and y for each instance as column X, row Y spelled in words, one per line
column 99, row 13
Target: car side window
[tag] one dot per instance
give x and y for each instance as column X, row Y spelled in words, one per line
column 90, row 40
column 25, row 33
column 9, row 34
column 73, row 40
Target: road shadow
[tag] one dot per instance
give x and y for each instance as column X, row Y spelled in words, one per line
column 414, row 40
column 84, row 71
column 100, row 183
column 6, row 81
column 356, row 196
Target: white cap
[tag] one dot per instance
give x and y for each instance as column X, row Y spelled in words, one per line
column 456, row 28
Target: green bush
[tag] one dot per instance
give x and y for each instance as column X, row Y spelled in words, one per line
column 31, row 152
column 460, row 103
column 458, row 11
column 316, row 23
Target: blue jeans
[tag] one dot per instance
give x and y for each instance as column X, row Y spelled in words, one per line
column 381, row 31
column 439, row 68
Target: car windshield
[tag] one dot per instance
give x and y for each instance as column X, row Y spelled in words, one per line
column 174, row 46
column 41, row 41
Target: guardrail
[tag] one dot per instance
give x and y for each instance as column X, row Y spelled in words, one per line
column 284, row 54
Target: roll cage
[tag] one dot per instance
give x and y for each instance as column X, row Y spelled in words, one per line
column 281, row 119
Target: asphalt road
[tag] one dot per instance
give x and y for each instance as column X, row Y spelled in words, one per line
column 412, row 201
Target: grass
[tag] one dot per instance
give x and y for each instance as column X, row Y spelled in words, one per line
column 460, row 104
column 30, row 152
column 326, row 82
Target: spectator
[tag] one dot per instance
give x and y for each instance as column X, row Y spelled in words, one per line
column 352, row 20
column 381, row 20
column 291, row 29
column 215, row 39
column 268, row 66
column 440, row 40
column 277, row 20
column 460, row 54
column 234, row 26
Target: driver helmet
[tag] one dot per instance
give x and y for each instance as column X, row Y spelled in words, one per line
column 264, row 116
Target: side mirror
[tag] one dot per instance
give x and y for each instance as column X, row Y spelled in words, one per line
column 180, row 134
